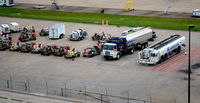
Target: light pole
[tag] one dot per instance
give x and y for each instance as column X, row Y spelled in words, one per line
column 189, row 70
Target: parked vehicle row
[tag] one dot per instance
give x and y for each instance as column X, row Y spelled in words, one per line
column 111, row 47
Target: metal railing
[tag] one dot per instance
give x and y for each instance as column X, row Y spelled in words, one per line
column 80, row 94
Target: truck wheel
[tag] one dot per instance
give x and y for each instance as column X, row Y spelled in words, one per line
column 106, row 58
column 118, row 56
column 99, row 53
column 178, row 49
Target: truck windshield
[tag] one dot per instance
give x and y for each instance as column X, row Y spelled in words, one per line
column 153, row 55
column 108, row 47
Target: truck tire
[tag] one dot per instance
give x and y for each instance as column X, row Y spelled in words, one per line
column 106, row 58
column 118, row 56
column 61, row 36
column 179, row 49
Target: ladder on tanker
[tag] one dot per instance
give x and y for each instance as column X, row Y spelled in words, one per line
column 165, row 42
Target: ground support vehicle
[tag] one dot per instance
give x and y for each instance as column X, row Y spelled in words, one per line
column 101, row 36
column 91, row 51
column 14, row 27
column 7, row 3
column 26, row 47
column 27, row 36
column 196, row 13
column 162, row 50
column 15, row 46
column 5, row 37
column 44, row 32
column 78, row 35
column 4, row 45
column 118, row 46
column 36, row 48
column 1, row 30
column 5, row 29
column 29, row 29
column 60, row 51
column 69, row 54
column 47, row 50
column 57, row 31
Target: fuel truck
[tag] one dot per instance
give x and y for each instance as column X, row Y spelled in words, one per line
column 118, row 46
column 162, row 50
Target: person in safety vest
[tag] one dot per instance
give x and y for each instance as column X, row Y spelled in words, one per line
column 73, row 54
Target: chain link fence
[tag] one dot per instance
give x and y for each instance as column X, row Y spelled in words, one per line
column 64, row 91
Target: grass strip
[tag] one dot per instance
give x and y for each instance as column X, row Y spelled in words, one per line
column 96, row 18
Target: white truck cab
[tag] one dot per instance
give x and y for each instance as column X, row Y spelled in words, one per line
column 14, row 27
column 110, row 50
column 149, row 56
column 5, row 29
column 6, row 2
column 196, row 13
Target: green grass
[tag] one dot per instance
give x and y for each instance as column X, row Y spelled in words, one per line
column 96, row 18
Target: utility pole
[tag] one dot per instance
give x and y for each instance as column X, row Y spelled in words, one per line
column 189, row 70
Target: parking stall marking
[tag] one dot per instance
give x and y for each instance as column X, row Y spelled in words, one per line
column 179, row 61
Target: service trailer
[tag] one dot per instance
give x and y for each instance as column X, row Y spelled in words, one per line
column 57, row 31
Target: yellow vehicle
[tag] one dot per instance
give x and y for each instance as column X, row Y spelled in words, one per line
column 72, row 54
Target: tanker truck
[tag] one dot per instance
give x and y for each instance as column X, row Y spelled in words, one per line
column 162, row 50
column 118, row 46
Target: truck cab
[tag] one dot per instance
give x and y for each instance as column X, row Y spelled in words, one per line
column 6, row 2
column 110, row 50
column 148, row 56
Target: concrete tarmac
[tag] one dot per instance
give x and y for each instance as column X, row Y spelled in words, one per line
column 118, row 76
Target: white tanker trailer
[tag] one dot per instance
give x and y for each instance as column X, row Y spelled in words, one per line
column 162, row 50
